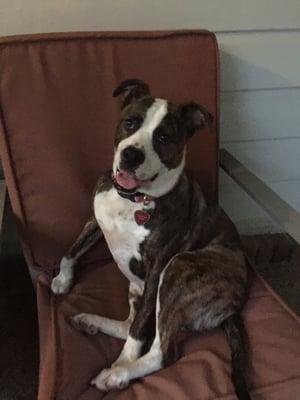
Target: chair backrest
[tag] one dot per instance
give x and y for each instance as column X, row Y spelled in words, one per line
column 58, row 119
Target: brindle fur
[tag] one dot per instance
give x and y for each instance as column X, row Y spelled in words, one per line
column 205, row 284
column 207, row 249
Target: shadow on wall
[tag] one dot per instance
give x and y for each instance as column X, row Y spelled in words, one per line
column 238, row 74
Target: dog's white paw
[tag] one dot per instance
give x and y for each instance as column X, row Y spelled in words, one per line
column 61, row 285
column 112, row 378
column 82, row 323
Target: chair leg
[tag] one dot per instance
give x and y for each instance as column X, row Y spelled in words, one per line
column 2, row 202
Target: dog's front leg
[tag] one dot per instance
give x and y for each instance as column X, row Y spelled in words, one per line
column 130, row 364
column 138, row 330
column 90, row 234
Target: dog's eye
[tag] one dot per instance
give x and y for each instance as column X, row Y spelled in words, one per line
column 129, row 124
column 163, row 138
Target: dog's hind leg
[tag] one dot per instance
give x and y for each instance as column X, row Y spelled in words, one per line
column 90, row 234
column 190, row 293
column 93, row 324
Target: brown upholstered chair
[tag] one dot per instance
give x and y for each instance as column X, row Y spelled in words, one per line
column 56, row 138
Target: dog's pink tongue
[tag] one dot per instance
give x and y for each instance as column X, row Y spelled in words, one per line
column 127, row 180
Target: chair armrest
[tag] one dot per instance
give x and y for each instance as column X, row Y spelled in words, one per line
column 279, row 210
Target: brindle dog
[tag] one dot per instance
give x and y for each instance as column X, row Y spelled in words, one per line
column 183, row 259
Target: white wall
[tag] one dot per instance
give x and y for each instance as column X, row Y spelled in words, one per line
column 260, row 59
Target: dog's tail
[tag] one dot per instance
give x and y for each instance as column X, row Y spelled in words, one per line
column 236, row 335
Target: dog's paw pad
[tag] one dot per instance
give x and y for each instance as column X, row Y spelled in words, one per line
column 61, row 286
column 113, row 378
column 81, row 323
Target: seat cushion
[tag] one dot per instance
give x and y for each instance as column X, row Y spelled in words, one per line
column 70, row 359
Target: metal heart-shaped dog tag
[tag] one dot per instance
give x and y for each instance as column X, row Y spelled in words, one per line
column 141, row 217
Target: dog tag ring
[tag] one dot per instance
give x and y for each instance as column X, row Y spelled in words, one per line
column 141, row 217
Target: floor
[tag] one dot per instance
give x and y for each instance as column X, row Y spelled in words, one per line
column 276, row 257
column 18, row 322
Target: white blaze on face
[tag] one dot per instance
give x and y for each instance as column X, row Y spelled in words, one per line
column 143, row 139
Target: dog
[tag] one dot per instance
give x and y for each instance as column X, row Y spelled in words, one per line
column 183, row 259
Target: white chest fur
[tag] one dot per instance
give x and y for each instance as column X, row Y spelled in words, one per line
column 115, row 215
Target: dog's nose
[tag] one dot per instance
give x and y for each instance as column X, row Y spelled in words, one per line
column 132, row 157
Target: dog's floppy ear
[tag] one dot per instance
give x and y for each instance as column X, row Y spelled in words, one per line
column 132, row 89
column 194, row 117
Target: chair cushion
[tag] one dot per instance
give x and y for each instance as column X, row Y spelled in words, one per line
column 69, row 359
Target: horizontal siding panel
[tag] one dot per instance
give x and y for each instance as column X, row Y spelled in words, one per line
column 70, row 15
column 260, row 60
column 260, row 115
column 270, row 160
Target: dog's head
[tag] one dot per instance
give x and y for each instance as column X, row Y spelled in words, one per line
column 151, row 138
